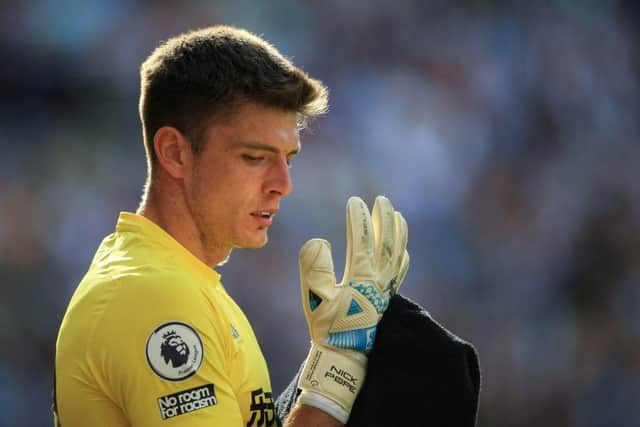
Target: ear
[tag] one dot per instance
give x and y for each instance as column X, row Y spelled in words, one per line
column 173, row 151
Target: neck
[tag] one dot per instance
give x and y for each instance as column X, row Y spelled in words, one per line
column 169, row 210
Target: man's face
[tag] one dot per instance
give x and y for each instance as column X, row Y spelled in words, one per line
column 238, row 179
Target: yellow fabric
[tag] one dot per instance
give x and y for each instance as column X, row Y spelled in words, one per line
column 139, row 280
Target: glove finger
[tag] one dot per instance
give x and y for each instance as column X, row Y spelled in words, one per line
column 404, row 267
column 393, row 276
column 400, row 245
column 317, row 277
column 384, row 232
column 360, row 245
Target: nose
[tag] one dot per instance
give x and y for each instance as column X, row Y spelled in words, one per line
column 278, row 181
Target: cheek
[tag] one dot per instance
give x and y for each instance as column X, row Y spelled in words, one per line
column 218, row 208
column 207, row 191
column 221, row 197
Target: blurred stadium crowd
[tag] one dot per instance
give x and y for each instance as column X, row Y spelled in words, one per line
column 506, row 133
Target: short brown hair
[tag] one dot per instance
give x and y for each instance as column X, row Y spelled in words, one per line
column 193, row 77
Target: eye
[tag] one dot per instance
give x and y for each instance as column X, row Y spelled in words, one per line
column 252, row 159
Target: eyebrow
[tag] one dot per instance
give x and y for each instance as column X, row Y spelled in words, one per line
column 266, row 147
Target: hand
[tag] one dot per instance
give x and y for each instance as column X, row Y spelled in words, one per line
column 343, row 317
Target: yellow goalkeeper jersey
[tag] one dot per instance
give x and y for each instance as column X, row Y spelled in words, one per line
column 151, row 338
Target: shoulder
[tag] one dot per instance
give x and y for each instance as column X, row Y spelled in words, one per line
column 152, row 319
column 144, row 300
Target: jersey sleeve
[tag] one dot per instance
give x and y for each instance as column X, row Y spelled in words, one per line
column 161, row 352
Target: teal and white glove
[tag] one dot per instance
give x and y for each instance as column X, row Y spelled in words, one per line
column 343, row 317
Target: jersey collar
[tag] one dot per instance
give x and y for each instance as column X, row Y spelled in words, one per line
column 130, row 222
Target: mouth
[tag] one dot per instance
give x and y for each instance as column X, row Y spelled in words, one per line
column 264, row 217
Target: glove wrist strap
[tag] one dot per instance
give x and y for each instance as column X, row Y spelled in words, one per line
column 334, row 374
column 323, row 403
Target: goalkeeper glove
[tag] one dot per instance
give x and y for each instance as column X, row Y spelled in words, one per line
column 342, row 317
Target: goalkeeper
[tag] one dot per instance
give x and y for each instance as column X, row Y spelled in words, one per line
column 150, row 336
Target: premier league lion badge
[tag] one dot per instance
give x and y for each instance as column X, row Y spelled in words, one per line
column 174, row 351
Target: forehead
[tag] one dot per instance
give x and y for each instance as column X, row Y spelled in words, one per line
column 250, row 122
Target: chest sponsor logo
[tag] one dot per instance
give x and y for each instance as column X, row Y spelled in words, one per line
column 174, row 351
column 186, row 401
column 262, row 410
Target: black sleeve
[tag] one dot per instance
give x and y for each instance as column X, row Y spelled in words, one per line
column 418, row 374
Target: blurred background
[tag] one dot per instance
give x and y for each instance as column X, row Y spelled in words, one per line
column 506, row 133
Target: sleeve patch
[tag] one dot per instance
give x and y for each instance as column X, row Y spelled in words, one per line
column 174, row 351
column 186, row 401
